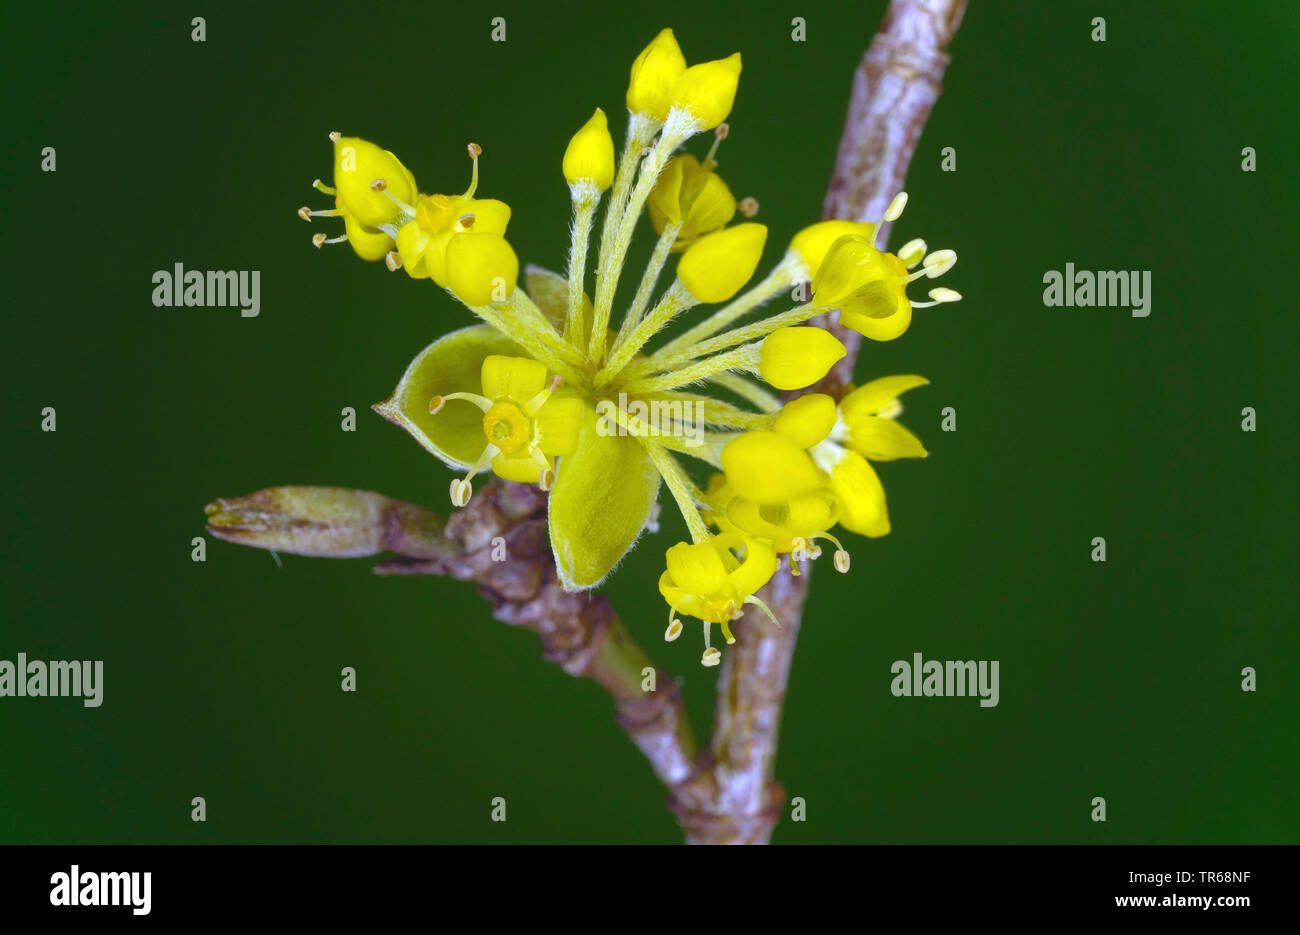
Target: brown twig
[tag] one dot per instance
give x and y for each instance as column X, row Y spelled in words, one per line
column 894, row 88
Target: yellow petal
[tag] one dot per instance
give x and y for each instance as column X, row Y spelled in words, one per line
column 813, row 242
column 807, row 420
column 708, row 90
column 875, row 327
column 357, row 164
column 369, row 244
column 490, row 215
column 515, row 378
column 880, row 439
column 756, row 568
column 521, row 468
column 665, row 201
column 870, row 398
column 653, row 73
column 698, row 568
column 412, row 241
column 769, row 468
column 718, row 265
column 481, row 268
column 557, row 425
column 792, row 358
column 604, row 492
column 860, row 495
column 449, row 365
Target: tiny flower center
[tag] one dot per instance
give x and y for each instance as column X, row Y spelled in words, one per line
column 435, row 212
column 506, row 426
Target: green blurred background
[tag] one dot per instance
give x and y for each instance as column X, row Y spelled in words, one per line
column 1119, row 680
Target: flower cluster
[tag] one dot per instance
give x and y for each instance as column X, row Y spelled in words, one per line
column 518, row 394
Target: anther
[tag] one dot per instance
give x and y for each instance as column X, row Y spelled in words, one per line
column 895, row 209
column 466, row 221
column 547, row 479
column 335, row 136
column 305, row 213
column 945, row 295
column 379, row 185
column 719, row 134
column 712, row 656
column 461, row 490
column 318, row 240
column 674, row 630
column 436, row 404
column 912, row 252
column 748, row 206
column 393, row 260
column 939, row 262
column 842, row 561
column 475, row 150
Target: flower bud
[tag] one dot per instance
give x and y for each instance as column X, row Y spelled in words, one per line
column 590, row 154
column 716, row 266
column 481, row 268
column 708, row 90
column 660, row 63
column 792, row 358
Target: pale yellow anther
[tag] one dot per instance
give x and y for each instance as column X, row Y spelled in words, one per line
column 379, row 185
column 393, row 260
column 748, row 206
column 466, row 221
column 712, row 656
column 461, row 491
column 305, row 213
column 939, row 262
column 436, row 404
column 842, row 561
column 547, row 479
column 317, row 240
column 895, row 209
column 945, row 295
column 335, row 136
column 474, row 150
column 912, row 252
column 674, row 630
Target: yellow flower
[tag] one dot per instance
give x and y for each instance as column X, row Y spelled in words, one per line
column 792, row 358
column 707, row 580
column 869, row 285
column 693, row 196
column 869, row 414
column 813, row 242
column 523, row 424
column 358, row 166
column 590, row 154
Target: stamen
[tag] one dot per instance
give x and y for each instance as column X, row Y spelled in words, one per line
column 380, row 185
column 939, row 262
column 719, row 134
column 307, row 213
column 481, row 401
column 725, row 626
column 762, row 605
column 322, row 187
column 674, row 626
column 546, row 480
column 393, row 260
column 534, row 405
column 475, row 151
column 748, row 206
column 319, row 240
column 461, row 491
column 912, row 252
column 335, row 136
column 711, row 657
column 842, row 561
column 895, row 209
column 940, row 296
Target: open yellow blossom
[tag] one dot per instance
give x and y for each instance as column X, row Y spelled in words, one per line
column 524, row 426
column 707, row 580
column 572, row 380
column 869, row 285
